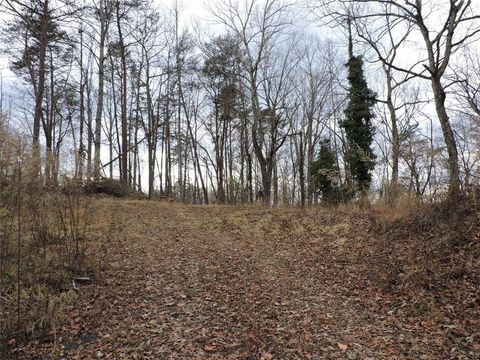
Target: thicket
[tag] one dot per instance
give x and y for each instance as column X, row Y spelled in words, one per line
column 44, row 243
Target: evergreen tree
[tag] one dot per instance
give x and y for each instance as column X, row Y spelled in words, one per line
column 358, row 125
column 325, row 173
column 222, row 82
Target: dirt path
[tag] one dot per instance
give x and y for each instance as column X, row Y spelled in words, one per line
column 240, row 283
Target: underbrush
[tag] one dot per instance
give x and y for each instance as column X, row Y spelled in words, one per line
column 113, row 188
column 430, row 258
column 44, row 257
column 427, row 245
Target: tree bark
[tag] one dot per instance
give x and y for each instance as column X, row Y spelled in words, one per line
column 123, row 104
column 42, row 55
column 453, row 167
column 101, row 80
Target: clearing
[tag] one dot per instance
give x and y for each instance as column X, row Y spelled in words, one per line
column 225, row 282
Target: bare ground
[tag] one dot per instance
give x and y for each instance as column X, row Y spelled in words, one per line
column 189, row 282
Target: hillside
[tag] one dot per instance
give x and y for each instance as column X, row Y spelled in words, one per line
column 254, row 179
column 254, row 283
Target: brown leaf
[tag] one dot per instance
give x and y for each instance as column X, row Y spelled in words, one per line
column 209, row 348
column 266, row 356
column 342, row 347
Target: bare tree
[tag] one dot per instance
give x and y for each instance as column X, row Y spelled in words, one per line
column 318, row 68
column 260, row 27
column 442, row 38
column 385, row 40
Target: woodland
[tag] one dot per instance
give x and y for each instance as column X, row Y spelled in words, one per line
column 240, row 179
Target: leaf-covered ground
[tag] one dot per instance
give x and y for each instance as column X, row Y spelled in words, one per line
column 190, row 282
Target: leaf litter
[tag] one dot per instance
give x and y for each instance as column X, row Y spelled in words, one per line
column 192, row 282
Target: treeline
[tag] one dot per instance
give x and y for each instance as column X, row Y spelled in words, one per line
column 255, row 102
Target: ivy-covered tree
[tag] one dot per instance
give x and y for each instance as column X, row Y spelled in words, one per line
column 358, row 125
column 325, row 173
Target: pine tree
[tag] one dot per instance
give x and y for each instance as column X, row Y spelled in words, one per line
column 358, row 125
column 221, row 78
column 325, row 173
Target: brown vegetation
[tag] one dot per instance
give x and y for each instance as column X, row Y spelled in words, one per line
column 251, row 282
column 112, row 187
column 44, row 244
column 265, row 117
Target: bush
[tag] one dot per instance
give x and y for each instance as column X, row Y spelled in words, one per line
column 113, row 188
column 45, row 246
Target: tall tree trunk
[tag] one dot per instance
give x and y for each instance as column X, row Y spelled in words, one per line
column 230, row 163
column 81, row 148
column 48, row 125
column 151, row 136
column 275, row 181
column 263, row 162
column 243, row 197
column 310, row 158
column 294, row 170
column 137, row 118
column 101, row 80
column 453, row 167
column 42, row 56
column 178, row 68
column 301, row 171
column 89, row 127
column 220, row 154
column 249, row 166
column 110, row 136
column 123, row 103
column 110, row 148
column 168, row 148
column 395, row 138
column 115, row 115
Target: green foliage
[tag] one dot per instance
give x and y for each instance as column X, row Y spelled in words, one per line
column 358, row 125
column 325, row 173
column 221, row 72
column 28, row 30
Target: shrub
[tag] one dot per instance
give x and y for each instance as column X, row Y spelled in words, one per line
column 43, row 247
column 112, row 187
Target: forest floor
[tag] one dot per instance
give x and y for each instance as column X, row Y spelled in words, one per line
column 238, row 282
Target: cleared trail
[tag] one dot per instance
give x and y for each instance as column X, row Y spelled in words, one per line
column 189, row 282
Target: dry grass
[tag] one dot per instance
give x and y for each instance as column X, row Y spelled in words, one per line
column 47, row 249
column 400, row 249
column 245, row 282
column 44, row 256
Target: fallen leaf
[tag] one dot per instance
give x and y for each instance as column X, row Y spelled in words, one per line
column 209, row 348
column 266, row 356
column 342, row 347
